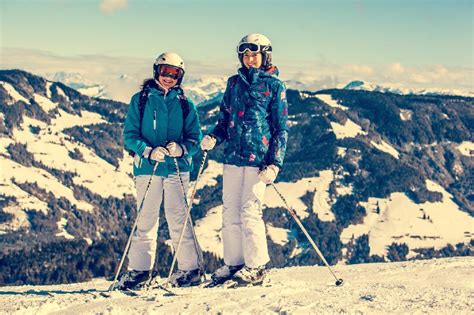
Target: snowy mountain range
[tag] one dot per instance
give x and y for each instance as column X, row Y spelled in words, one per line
column 367, row 86
column 382, row 177
column 205, row 89
column 208, row 89
column 79, row 83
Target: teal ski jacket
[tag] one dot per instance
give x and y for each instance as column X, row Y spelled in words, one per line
column 162, row 122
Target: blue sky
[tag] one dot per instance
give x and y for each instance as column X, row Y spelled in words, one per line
column 367, row 32
column 410, row 44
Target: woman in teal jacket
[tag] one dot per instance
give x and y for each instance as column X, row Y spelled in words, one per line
column 162, row 125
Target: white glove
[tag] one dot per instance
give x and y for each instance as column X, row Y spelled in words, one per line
column 158, row 154
column 269, row 174
column 174, row 149
column 208, row 143
column 146, row 152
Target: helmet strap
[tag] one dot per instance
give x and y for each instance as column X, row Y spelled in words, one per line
column 155, row 72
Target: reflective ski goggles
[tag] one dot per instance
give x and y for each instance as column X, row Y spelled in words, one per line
column 170, row 72
column 254, row 48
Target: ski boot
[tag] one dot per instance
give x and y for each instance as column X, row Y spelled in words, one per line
column 223, row 274
column 248, row 276
column 132, row 280
column 186, row 278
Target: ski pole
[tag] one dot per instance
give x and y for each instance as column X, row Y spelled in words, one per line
column 127, row 247
column 191, row 201
column 186, row 220
column 339, row 281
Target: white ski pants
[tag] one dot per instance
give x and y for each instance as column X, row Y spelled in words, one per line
column 243, row 229
column 143, row 248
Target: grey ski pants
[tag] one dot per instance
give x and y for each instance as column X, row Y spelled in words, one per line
column 143, row 248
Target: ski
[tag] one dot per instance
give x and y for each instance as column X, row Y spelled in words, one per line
column 137, row 293
column 153, row 284
column 212, row 284
column 231, row 284
column 128, row 292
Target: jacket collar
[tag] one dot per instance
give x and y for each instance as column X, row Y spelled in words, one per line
column 253, row 75
column 156, row 89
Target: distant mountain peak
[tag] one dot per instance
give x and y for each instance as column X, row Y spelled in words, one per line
column 354, row 85
column 78, row 82
column 368, row 86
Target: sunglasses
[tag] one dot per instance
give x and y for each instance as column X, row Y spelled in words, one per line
column 251, row 47
column 170, row 72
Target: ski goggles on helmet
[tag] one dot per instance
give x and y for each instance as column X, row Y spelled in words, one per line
column 254, row 48
column 170, row 72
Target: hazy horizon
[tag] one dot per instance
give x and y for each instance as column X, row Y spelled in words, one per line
column 421, row 44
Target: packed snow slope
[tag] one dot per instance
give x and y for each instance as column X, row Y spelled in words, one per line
column 438, row 286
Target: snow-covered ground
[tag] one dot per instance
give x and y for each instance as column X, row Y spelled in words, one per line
column 327, row 98
column 400, row 219
column 42, row 178
column 50, row 146
column 429, row 224
column 321, row 202
column 405, row 114
column 467, row 148
column 208, row 229
column 385, row 147
column 45, row 103
column 278, row 235
column 349, row 130
column 439, row 286
column 294, row 191
column 14, row 94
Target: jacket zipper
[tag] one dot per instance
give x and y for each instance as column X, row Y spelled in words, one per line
column 154, row 120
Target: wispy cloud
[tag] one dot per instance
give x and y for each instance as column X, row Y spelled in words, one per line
column 396, row 68
column 108, row 71
column 110, row 6
column 320, row 75
column 121, row 76
column 359, row 69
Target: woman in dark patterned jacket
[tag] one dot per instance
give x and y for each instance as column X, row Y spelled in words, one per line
column 253, row 126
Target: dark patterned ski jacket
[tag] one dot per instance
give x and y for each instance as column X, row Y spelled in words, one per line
column 253, row 119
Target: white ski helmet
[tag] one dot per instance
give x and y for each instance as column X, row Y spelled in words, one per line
column 171, row 59
column 256, row 43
